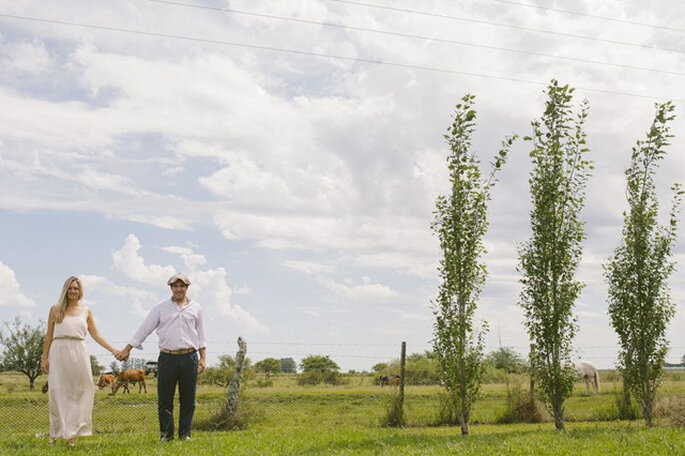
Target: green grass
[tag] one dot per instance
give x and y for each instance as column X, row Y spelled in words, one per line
column 579, row 439
column 345, row 419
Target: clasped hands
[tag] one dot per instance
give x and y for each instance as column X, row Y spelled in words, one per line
column 121, row 355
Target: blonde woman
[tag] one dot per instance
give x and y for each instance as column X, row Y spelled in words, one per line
column 66, row 361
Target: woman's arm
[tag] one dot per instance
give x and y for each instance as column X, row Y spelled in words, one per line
column 95, row 334
column 44, row 364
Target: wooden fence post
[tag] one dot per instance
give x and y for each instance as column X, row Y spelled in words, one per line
column 403, row 357
column 234, row 385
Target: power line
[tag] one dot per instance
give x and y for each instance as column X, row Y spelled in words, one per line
column 515, row 27
column 330, row 56
column 414, row 36
column 593, row 16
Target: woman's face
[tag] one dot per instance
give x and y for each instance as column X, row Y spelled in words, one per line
column 74, row 291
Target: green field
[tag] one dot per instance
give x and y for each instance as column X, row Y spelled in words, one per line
column 345, row 419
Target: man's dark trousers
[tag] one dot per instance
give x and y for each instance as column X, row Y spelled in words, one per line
column 172, row 369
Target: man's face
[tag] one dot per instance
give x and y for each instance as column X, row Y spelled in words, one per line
column 179, row 289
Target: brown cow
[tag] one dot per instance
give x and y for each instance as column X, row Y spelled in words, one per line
column 390, row 380
column 104, row 380
column 129, row 376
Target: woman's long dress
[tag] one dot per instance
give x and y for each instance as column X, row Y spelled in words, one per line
column 71, row 391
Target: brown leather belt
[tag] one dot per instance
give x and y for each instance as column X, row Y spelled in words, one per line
column 182, row 351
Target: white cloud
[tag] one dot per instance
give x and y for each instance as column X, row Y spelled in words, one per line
column 12, row 294
column 364, row 292
column 128, row 261
column 307, row 267
column 209, row 286
column 192, row 260
column 25, row 57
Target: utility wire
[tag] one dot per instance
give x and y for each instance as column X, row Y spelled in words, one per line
column 593, row 16
column 515, row 27
column 413, row 36
column 330, row 56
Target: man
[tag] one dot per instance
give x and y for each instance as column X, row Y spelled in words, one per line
column 181, row 331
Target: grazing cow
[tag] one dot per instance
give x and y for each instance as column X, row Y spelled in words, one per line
column 151, row 368
column 390, row 380
column 588, row 372
column 44, row 389
column 131, row 376
column 105, row 380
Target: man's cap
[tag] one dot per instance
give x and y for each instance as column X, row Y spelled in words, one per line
column 176, row 277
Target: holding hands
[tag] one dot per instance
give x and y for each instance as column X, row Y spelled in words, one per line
column 122, row 355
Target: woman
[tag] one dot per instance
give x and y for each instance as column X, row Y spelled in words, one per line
column 66, row 361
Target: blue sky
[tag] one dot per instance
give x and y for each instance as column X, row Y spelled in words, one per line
column 297, row 191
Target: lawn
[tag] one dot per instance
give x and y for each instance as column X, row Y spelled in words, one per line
column 343, row 419
column 618, row 438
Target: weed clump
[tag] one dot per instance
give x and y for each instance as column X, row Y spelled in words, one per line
column 672, row 408
column 394, row 415
column 523, row 407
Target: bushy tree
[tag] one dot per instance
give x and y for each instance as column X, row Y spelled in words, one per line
column 23, row 348
column 318, row 363
column 95, row 366
column 379, row 367
column 460, row 223
column 550, row 258
column 507, row 359
column 268, row 366
column 134, row 363
column 288, row 365
column 640, row 304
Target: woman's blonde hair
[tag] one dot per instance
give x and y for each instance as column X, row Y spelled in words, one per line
column 62, row 302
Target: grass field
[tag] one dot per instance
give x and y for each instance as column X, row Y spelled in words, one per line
column 520, row 439
column 345, row 419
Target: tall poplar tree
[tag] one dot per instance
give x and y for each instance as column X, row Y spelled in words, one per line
column 549, row 259
column 639, row 301
column 460, row 223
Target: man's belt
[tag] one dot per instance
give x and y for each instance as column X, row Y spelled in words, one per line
column 182, row 351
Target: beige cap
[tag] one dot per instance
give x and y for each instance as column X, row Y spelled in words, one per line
column 176, row 277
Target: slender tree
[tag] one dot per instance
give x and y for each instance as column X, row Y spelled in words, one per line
column 460, row 223
column 640, row 305
column 23, row 348
column 549, row 259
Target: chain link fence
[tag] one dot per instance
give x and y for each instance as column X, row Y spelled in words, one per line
column 353, row 399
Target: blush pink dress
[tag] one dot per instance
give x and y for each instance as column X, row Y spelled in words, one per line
column 71, row 391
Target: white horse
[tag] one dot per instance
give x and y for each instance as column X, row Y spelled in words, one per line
column 588, row 372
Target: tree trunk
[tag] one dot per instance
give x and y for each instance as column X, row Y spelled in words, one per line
column 465, row 417
column 558, row 410
column 647, row 405
column 32, row 384
column 234, row 385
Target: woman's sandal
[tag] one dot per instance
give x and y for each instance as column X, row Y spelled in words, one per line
column 52, row 440
column 71, row 443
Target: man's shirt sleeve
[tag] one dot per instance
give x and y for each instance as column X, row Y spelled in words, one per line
column 149, row 324
column 200, row 326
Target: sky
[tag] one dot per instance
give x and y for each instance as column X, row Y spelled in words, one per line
column 287, row 156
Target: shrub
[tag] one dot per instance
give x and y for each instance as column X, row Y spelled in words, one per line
column 220, row 421
column 523, row 407
column 314, row 377
column 264, row 382
column 447, row 411
column 625, row 408
column 672, row 408
column 394, row 416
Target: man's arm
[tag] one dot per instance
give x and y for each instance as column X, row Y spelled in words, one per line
column 149, row 324
column 203, row 361
column 202, row 343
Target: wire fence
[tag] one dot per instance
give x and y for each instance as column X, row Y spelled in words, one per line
column 359, row 398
